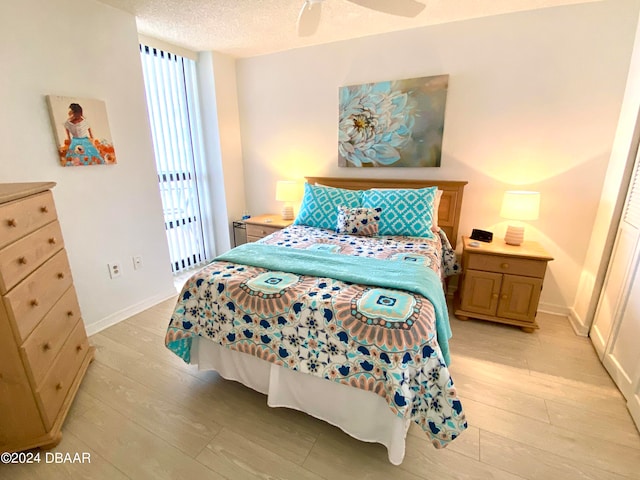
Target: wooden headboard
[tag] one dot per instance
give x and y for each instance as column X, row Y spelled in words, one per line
column 450, row 203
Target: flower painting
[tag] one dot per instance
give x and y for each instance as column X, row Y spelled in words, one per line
column 81, row 130
column 392, row 124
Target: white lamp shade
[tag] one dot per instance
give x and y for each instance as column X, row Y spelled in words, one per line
column 520, row 205
column 288, row 191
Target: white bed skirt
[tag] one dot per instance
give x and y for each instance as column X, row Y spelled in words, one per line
column 361, row 414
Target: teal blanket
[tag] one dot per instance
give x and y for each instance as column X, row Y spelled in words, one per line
column 355, row 269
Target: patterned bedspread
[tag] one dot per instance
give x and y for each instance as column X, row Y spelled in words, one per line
column 377, row 339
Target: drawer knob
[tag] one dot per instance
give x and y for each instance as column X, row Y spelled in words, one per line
column 52, row 240
column 79, row 348
column 34, row 302
column 59, row 386
column 22, row 260
column 44, row 209
column 504, row 296
column 60, row 275
column 504, row 265
column 12, row 222
column 70, row 313
column 46, row 346
column 494, row 296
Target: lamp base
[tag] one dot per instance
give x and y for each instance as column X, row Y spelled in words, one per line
column 514, row 235
column 287, row 212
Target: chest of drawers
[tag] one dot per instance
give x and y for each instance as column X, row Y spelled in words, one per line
column 44, row 350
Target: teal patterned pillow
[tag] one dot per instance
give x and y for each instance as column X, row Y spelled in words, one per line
column 404, row 211
column 320, row 205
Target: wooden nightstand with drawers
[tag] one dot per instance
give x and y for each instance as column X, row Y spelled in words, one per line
column 502, row 283
column 262, row 225
column 44, row 350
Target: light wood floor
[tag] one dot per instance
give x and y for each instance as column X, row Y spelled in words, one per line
column 539, row 406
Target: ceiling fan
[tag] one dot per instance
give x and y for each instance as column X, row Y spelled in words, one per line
column 309, row 17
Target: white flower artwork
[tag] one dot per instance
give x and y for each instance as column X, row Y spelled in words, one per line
column 392, row 124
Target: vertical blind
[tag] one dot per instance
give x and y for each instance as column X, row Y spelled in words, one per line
column 171, row 88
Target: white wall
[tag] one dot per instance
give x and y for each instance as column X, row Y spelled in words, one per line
column 85, row 49
column 533, row 102
column 221, row 125
column 613, row 195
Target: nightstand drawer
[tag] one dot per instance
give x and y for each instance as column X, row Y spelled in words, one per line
column 22, row 257
column 19, row 218
column 260, row 231
column 501, row 264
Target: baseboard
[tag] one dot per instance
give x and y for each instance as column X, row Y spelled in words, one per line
column 567, row 312
column 578, row 324
column 117, row 317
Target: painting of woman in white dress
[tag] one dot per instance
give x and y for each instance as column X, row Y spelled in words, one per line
column 82, row 139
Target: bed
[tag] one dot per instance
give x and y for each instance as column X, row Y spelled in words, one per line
column 346, row 325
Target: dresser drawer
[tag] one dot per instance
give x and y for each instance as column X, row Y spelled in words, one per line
column 32, row 298
column 47, row 339
column 500, row 264
column 20, row 217
column 57, row 382
column 25, row 255
column 260, row 231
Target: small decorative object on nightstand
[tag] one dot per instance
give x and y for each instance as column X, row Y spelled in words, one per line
column 502, row 283
column 262, row 225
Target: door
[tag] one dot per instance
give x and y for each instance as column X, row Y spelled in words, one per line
column 616, row 328
column 519, row 297
column 481, row 292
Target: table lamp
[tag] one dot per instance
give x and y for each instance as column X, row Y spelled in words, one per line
column 519, row 205
column 287, row 192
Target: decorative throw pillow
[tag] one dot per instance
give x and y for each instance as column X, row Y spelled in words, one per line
column 320, row 205
column 358, row 221
column 404, row 211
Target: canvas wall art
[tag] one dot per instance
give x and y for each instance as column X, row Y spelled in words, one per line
column 392, row 124
column 81, row 130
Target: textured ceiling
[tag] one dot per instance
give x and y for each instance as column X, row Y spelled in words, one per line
column 245, row 28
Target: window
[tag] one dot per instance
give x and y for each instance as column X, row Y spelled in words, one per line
column 172, row 100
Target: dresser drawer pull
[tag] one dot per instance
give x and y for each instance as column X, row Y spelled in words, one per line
column 44, row 209
column 504, row 265
column 61, row 275
column 12, row 222
column 52, row 240
column 79, row 348
column 59, row 386
column 34, row 302
column 70, row 313
column 22, row 260
column 46, row 346
column 494, row 296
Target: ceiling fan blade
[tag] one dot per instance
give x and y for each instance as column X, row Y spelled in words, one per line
column 309, row 18
column 403, row 8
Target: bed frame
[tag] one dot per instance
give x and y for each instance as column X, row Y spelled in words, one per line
column 450, row 203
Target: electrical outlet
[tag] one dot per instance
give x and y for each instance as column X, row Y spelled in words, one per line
column 137, row 262
column 114, row 269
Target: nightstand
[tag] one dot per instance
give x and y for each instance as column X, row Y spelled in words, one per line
column 502, row 283
column 262, row 225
